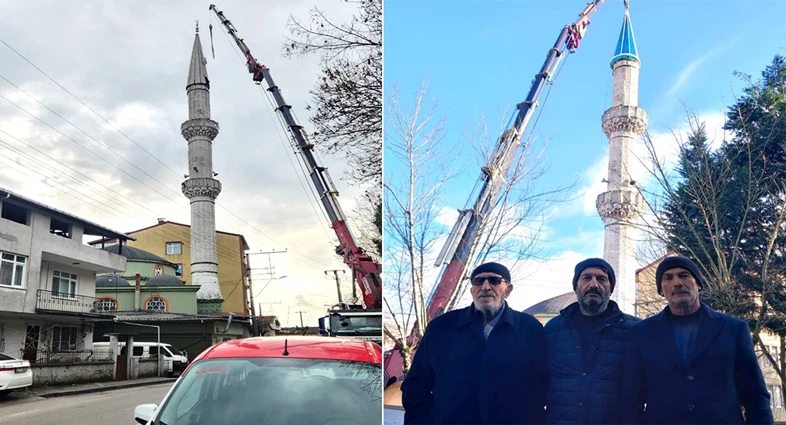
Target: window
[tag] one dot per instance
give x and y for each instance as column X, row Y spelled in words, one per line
column 59, row 228
column 174, row 248
column 63, row 284
column 64, row 338
column 158, row 270
column 156, row 304
column 137, row 351
column 179, row 270
column 106, row 304
column 778, row 397
column 15, row 213
column 769, row 390
column 12, row 269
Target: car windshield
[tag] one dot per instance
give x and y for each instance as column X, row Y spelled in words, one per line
column 275, row 390
column 4, row 357
column 173, row 350
column 359, row 324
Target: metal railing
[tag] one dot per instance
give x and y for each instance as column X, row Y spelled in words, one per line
column 54, row 356
column 59, row 301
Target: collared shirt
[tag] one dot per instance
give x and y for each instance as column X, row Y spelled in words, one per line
column 490, row 326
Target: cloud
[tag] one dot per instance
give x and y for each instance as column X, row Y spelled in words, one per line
column 130, row 65
column 690, row 69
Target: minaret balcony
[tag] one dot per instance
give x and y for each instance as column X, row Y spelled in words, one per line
column 620, row 206
column 201, row 187
column 624, row 119
column 203, row 127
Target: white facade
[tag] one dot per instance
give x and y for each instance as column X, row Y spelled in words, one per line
column 47, row 277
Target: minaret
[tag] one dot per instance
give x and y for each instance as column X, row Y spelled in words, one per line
column 200, row 187
column 622, row 204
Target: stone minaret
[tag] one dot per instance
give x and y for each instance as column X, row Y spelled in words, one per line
column 200, row 187
column 622, row 204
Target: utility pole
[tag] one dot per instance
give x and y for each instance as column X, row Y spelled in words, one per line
column 301, row 318
column 338, row 283
column 255, row 318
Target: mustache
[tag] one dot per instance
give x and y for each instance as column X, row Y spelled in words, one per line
column 680, row 291
column 487, row 293
column 593, row 291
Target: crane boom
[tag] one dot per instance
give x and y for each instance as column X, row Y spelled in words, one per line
column 462, row 241
column 365, row 271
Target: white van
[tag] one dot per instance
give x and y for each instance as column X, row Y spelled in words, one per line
column 174, row 360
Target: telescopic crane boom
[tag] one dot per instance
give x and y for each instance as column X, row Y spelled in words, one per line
column 461, row 243
column 365, row 271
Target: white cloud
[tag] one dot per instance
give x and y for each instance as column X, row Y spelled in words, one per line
column 690, row 69
column 136, row 80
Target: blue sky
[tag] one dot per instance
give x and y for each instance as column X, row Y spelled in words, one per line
column 479, row 57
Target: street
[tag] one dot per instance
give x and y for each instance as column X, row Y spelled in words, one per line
column 108, row 407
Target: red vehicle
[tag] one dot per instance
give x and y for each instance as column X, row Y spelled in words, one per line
column 285, row 379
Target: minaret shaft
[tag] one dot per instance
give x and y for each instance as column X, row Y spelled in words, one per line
column 200, row 187
column 622, row 204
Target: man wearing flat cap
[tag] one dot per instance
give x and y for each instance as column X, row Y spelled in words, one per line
column 483, row 364
column 689, row 364
column 586, row 344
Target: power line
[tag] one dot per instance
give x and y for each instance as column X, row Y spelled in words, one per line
column 130, row 139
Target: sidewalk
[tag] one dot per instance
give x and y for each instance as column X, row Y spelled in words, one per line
column 94, row 387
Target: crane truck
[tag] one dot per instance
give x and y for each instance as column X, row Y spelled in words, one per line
column 462, row 241
column 364, row 270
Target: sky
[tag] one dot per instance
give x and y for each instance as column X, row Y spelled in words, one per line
column 478, row 58
column 129, row 64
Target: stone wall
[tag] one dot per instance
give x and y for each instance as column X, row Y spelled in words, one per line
column 71, row 373
column 148, row 368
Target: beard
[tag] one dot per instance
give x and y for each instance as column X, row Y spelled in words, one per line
column 593, row 305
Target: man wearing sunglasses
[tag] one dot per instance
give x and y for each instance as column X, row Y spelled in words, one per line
column 483, row 364
column 586, row 342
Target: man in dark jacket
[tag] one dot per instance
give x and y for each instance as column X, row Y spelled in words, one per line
column 585, row 349
column 483, row 364
column 690, row 364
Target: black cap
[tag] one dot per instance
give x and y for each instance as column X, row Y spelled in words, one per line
column 594, row 262
column 674, row 262
column 491, row 268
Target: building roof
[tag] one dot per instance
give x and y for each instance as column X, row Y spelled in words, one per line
column 111, row 281
column 301, row 347
column 90, row 228
column 552, row 305
column 626, row 45
column 164, row 280
column 197, row 71
column 162, row 222
column 156, row 316
column 132, row 253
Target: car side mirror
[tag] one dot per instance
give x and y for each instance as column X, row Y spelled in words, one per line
column 144, row 413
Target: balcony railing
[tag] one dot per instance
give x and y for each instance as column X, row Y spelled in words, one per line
column 64, row 302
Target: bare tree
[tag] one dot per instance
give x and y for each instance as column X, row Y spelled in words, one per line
column 421, row 165
column 347, row 100
column 367, row 217
column 514, row 229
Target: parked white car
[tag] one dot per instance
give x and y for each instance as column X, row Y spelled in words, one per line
column 14, row 374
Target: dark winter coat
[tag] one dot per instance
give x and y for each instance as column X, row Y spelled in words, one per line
column 457, row 377
column 721, row 375
column 585, row 391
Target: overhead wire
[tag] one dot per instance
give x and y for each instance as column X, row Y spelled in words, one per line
column 129, row 138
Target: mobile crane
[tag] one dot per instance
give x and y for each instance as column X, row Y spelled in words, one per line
column 365, row 271
column 462, row 241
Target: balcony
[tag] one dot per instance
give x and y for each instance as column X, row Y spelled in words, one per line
column 66, row 303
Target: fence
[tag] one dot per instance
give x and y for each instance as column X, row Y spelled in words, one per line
column 56, row 301
column 46, row 356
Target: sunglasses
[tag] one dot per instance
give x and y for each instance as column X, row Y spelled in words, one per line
column 493, row 280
